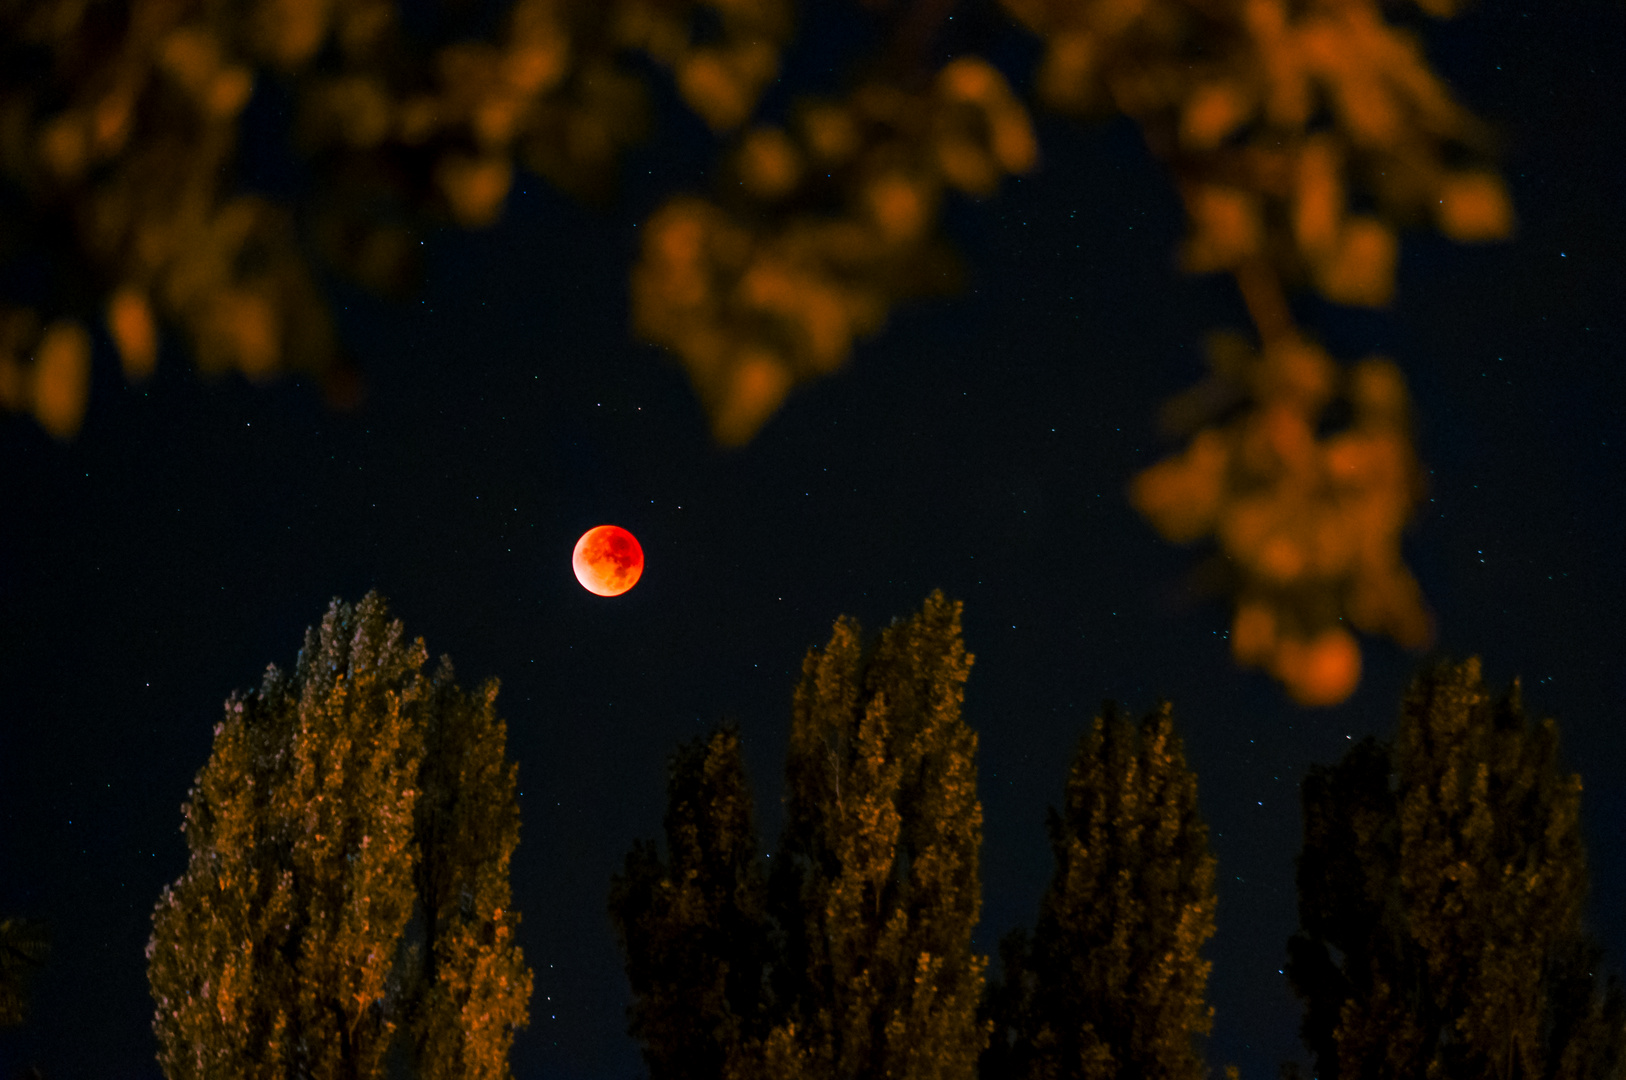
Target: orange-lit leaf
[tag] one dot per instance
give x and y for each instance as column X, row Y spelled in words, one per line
column 1474, row 207
column 134, row 332
column 61, row 378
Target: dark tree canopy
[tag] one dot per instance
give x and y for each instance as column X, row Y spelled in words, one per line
column 854, row 959
column 1442, row 888
column 1110, row 984
column 877, row 879
column 693, row 926
column 348, row 885
column 23, row 948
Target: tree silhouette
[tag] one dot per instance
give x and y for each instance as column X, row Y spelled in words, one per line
column 23, row 949
column 1274, row 120
column 1441, row 892
column 876, row 882
column 693, row 927
column 854, row 958
column 348, row 883
column 1110, row 984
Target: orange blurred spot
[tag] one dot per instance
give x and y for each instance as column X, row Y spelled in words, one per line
column 1181, row 496
column 1244, row 526
column 1473, row 207
column 1302, row 373
column 419, row 118
column 1363, row 270
column 243, row 327
column 1318, row 205
column 191, row 56
column 495, row 118
column 830, row 132
column 713, row 90
column 897, row 207
column 1346, row 457
column 1332, row 544
column 1012, row 138
column 1065, row 75
column 1369, row 110
column 756, row 386
column 363, row 22
column 63, row 147
column 228, row 92
column 1227, row 227
column 362, row 109
column 972, row 79
column 537, row 65
column 1287, row 433
column 1282, row 559
column 1378, row 391
column 1212, row 113
column 965, row 166
column 678, row 234
column 289, row 32
column 768, row 163
column 61, row 378
column 1324, row 671
column 1253, row 634
column 131, row 325
column 826, row 322
column 1287, row 95
column 754, row 62
column 475, row 187
column 110, row 122
column 1112, row 17
column 819, row 311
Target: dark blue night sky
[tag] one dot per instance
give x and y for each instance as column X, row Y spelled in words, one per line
column 980, row 444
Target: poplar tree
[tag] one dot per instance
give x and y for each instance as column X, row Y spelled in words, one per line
column 693, row 926
column 876, row 884
column 23, row 949
column 1111, row 983
column 1442, row 889
column 854, row 958
column 348, row 884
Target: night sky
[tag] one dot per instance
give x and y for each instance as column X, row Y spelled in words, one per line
column 980, row 444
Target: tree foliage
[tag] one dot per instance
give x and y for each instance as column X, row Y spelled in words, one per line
column 1110, row 984
column 1442, row 889
column 348, row 885
column 877, row 880
column 1275, row 120
column 24, row 946
column 854, row 958
column 693, row 926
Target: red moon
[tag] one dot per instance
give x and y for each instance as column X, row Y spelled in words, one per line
column 607, row 560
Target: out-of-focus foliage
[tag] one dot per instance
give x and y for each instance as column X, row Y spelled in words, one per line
column 119, row 121
column 1268, row 114
column 854, row 959
column 1308, row 523
column 23, row 948
column 1442, row 887
column 1275, row 119
column 1111, row 985
column 348, row 885
column 693, row 927
column 831, row 223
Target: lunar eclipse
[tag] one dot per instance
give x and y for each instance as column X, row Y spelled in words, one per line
column 608, row 560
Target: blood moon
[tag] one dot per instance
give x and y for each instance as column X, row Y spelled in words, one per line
column 607, row 560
